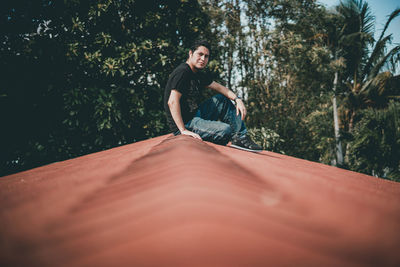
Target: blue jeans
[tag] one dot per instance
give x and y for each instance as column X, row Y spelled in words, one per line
column 216, row 121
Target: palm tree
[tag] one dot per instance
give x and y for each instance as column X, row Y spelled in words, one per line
column 335, row 27
column 365, row 77
column 365, row 58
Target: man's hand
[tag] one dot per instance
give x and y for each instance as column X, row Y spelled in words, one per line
column 192, row 134
column 240, row 108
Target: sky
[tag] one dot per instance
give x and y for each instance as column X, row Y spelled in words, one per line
column 380, row 9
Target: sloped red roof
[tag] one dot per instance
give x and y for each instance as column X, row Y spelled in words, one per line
column 177, row 201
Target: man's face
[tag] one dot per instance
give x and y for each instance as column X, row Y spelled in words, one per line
column 199, row 58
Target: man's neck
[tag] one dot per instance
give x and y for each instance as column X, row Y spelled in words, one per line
column 192, row 67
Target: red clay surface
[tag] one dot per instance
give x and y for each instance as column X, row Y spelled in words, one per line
column 177, row 201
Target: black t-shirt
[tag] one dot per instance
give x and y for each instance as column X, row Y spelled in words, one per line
column 190, row 85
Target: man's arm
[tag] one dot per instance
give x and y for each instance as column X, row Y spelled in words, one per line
column 240, row 108
column 175, row 108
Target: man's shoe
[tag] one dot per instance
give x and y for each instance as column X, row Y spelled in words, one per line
column 245, row 143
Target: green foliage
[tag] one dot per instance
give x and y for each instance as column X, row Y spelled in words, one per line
column 267, row 139
column 375, row 148
column 288, row 52
column 364, row 77
column 277, row 60
column 322, row 135
column 295, row 77
column 82, row 76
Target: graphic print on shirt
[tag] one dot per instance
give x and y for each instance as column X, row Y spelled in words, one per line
column 193, row 97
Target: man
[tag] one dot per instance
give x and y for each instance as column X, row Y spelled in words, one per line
column 216, row 120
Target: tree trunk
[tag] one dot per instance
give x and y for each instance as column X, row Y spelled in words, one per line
column 339, row 150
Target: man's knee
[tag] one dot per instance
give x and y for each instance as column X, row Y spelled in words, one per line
column 223, row 101
column 221, row 98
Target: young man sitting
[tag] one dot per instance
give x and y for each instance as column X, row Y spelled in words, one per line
column 217, row 119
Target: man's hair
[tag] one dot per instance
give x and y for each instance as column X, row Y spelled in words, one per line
column 199, row 43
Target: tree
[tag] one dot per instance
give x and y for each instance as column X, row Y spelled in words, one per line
column 295, row 75
column 365, row 58
column 82, row 76
column 334, row 29
column 375, row 148
column 366, row 82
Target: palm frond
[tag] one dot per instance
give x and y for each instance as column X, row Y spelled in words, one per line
column 366, row 86
column 356, row 37
column 366, row 18
column 377, row 53
column 379, row 82
column 394, row 53
column 392, row 16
